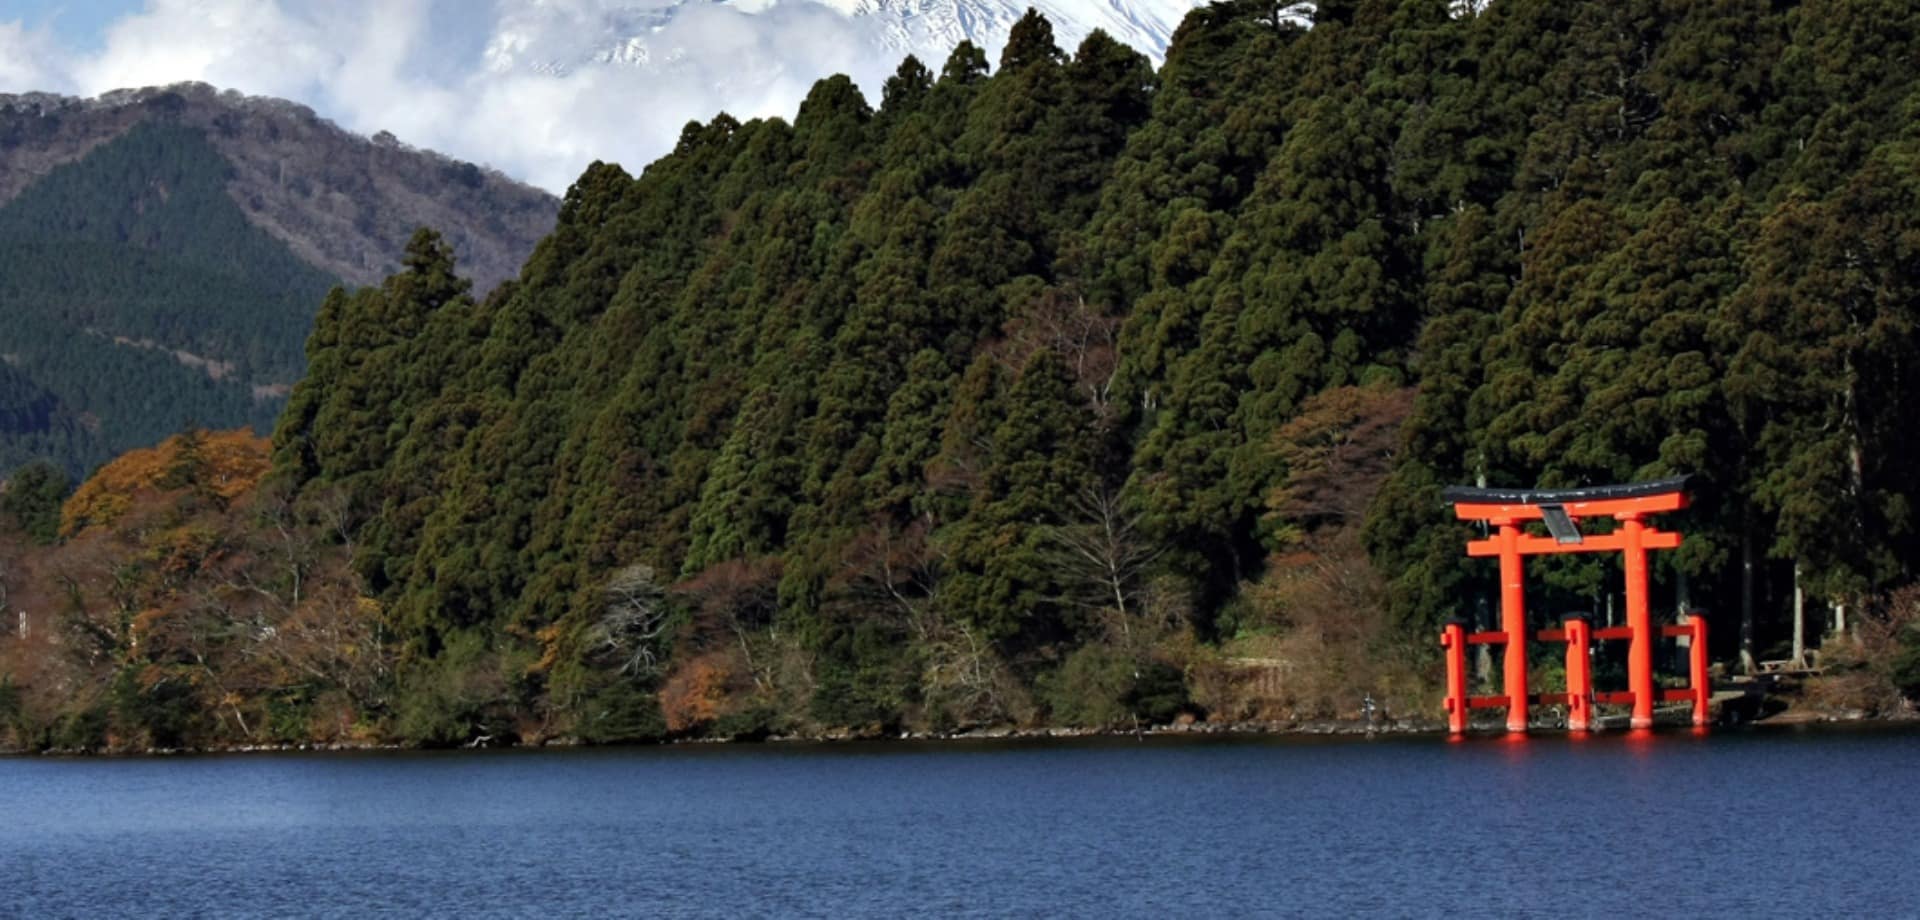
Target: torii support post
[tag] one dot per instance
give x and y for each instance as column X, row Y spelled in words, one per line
column 1561, row 510
column 1639, row 621
column 1579, row 675
column 1701, row 679
column 1454, row 640
column 1513, row 622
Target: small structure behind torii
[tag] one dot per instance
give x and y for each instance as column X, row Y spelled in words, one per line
column 1506, row 512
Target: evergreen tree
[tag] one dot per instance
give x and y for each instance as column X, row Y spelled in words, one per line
column 32, row 496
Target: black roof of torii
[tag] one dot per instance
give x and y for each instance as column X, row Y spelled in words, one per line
column 1473, row 496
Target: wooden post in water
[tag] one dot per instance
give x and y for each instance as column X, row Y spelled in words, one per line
column 1640, row 622
column 1579, row 675
column 1453, row 639
column 1513, row 622
column 1701, row 679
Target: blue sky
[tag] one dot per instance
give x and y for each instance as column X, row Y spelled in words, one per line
column 79, row 24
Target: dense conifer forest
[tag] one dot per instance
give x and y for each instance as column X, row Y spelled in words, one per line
column 115, row 267
column 1065, row 391
column 163, row 253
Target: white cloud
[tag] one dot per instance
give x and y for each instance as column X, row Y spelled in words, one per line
column 536, row 88
column 249, row 45
column 545, row 100
column 29, row 60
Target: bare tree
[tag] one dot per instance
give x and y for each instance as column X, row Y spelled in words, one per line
column 1286, row 14
column 894, row 567
column 962, row 675
column 205, row 631
column 331, row 638
column 737, row 598
column 632, row 621
column 1087, row 340
column 966, row 676
column 1105, row 553
column 1337, row 449
column 333, row 512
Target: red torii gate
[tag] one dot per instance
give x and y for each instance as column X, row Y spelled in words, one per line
column 1561, row 510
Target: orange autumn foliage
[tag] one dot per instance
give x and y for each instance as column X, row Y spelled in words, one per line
column 694, row 694
column 219, row 465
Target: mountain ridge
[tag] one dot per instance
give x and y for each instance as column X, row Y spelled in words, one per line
column 344, row 203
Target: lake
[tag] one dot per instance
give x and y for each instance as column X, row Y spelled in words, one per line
column 1759, row 823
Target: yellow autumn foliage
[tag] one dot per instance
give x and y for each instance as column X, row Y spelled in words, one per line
column 221, row 465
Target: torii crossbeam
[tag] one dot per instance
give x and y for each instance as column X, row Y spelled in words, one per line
column 1561, row 510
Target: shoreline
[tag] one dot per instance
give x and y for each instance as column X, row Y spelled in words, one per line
column 1301, row 728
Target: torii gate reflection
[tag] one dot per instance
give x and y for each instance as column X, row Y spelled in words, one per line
column 1561, row 510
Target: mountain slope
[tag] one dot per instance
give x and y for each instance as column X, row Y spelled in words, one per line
column 152, row 277
column 135, row 297
column 139, row 239
column 342, row 203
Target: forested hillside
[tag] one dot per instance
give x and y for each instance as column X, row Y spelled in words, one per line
column 343, row 203
column 1070, row 392
column 149, row 282
column 136, row 299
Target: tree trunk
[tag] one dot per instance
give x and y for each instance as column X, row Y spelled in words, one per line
column 1799, row 620
column 1746, row 599
column 1682, row 603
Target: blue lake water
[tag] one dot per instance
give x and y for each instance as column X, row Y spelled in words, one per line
column 1793, row 824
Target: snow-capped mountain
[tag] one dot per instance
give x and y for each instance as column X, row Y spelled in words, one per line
column 640, row 69
column 924, row 26
column 566, row 36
